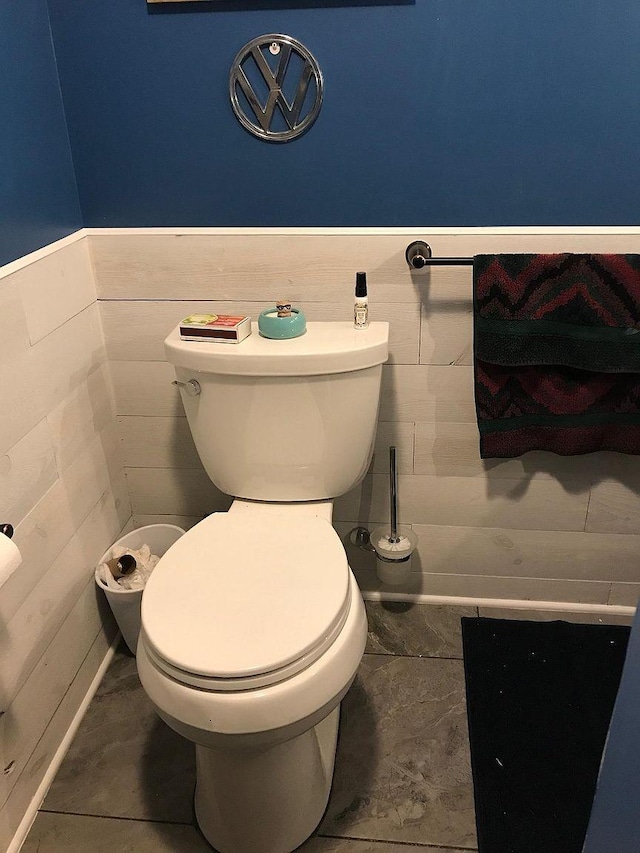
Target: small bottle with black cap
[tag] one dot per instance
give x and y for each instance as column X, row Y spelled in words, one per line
column 361, row 304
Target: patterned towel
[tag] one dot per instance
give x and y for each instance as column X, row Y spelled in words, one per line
column 557, row 353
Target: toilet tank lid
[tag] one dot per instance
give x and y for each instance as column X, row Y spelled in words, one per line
column 326, row 347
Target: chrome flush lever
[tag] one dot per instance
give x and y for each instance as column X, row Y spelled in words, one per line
column 191, row 388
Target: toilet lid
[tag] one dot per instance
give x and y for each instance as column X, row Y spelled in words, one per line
column 241, row 601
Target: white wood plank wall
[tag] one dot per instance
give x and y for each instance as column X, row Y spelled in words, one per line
column 62, row 486
column 541, row 527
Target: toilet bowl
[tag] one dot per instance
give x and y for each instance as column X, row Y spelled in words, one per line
column 232, row 662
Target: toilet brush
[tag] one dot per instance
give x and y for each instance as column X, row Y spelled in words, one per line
column 393, row 548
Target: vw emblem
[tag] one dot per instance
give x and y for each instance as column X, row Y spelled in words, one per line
column 291, row 68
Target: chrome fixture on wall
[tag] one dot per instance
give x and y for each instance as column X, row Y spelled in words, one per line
column 258, row 118
column 7, row 530
column 419, row 256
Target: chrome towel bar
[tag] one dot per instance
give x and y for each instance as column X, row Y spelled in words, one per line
column 419, row 255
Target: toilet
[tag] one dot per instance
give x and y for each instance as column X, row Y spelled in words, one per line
column 253, row 626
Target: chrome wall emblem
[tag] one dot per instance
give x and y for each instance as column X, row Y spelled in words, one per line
column 292, row 69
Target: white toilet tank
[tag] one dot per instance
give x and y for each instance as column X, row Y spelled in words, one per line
column 290, row 420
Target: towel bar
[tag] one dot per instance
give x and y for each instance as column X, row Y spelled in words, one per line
column 418, row 255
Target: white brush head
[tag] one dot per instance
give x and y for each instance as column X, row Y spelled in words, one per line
column 393, row 549
column 388, row 544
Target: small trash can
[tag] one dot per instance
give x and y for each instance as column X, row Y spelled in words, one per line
column 125, row 603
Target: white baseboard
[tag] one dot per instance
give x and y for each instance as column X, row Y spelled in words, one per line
column 38, row 798
column 507, row 603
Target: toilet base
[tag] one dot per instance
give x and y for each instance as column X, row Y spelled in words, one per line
column 266, row 800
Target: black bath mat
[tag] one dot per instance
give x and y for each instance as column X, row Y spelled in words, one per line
column 539, row 696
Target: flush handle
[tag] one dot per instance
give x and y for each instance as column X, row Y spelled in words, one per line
column 191, row 388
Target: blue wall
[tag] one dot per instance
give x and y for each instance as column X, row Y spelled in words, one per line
column 38, row 196
column 442, row 112
column 614, row 825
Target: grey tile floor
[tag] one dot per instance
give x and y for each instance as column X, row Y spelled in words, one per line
column 402, row 782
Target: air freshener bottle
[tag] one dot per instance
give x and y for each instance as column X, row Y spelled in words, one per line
column 361, row 304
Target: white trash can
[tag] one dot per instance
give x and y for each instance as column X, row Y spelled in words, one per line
column 125, row 603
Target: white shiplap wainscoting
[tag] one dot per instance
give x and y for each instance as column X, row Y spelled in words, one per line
column 62, row 486
column 541, row 528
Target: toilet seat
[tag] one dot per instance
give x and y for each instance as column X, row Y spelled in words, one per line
column 222, row 610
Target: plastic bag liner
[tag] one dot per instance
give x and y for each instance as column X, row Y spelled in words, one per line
column 125, row 603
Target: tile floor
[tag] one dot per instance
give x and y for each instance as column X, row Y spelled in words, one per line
column 402, row 782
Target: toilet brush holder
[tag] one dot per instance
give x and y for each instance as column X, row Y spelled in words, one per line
column 393, row 554
column 393, row 547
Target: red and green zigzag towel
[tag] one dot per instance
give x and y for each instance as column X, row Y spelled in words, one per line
column 557, row 353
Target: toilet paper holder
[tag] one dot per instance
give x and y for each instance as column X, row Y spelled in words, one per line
column 7, row 530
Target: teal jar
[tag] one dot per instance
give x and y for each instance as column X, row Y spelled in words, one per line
column 281, row 328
